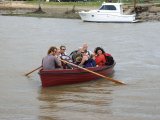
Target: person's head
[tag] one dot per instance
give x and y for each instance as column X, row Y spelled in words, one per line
column 79, row 50
column 99, row 50
column 52, row 50
column 58, row 52
column 85, row 46
column 62, row 49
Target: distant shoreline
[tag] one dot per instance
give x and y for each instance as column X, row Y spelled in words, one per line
column 147, row 13
column 53, row 11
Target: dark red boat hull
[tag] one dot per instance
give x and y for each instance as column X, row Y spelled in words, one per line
column 71, row 76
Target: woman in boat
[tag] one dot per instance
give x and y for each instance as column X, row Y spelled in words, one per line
column 50, row 61
column 102, row 58
column 99, row 56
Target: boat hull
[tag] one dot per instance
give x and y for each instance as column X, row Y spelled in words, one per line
column 72, row 76
column 95, row 16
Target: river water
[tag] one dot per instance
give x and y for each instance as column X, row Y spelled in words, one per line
column 135, row 47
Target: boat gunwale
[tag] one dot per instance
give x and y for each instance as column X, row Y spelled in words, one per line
column 74, row 71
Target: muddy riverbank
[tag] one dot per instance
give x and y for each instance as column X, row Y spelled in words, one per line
column 145, row 12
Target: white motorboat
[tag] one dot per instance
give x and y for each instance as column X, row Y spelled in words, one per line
column 108, row 12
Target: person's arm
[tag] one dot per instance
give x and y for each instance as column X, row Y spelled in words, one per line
column 85, row 58
column 58, row 62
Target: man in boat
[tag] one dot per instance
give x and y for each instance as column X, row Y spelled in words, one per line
column 74, row 54
column 50, row 61
column 85, row 48
column 87, row 61
column 64, row 56
column 63, row 50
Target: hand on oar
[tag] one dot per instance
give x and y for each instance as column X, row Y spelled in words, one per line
column 107, row 78
column 33, row 71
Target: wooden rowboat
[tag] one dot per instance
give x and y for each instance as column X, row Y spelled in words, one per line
column 70, row 76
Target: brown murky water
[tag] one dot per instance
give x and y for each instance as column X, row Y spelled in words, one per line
column 135, row 47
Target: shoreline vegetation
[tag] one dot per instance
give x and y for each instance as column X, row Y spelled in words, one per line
column 145, row 12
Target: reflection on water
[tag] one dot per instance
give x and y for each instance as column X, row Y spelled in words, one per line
column 75, row 99
column 135, row 47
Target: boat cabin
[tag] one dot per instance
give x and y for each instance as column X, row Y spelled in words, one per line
column 112, row 7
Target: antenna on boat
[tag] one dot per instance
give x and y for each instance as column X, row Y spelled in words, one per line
column 134, row 4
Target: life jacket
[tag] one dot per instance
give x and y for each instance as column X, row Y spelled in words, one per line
column 73, row 55
column 109, row 59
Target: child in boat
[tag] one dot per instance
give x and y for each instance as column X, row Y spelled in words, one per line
column 73, row 55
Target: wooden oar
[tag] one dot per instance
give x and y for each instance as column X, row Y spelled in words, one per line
column 108, row 78
column 33, row 71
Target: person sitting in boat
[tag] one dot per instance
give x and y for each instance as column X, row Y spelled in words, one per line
column 64, row 56
column 62, row 50
column 87, row 61
column 78, row 59
column 83, row 48
column 50, row 61
column 102, row 58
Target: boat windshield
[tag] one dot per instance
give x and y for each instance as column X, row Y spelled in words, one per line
column 107, row 7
